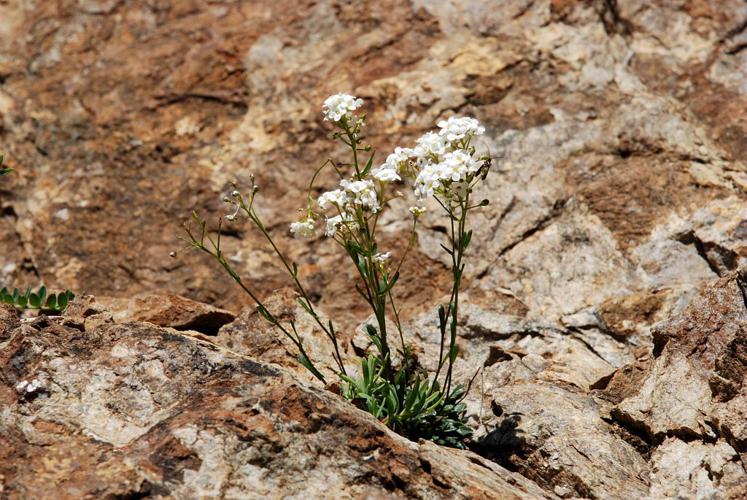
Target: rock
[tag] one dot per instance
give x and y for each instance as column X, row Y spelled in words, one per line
column 696, row 470
column 251, row 335
column 695, row 388
column 148, row 411
column 690, row 400
column 8, row 320
column 169, row 310
column 617, row 131
column 674, row 398
column 556, row 437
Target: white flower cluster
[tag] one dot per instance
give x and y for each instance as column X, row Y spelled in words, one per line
column 452, row 168
column 362, row 194
column 304, row 228
column 337, row 222
column 441, row 162
column 340, row 105
column 351, row 196
column 459, row 128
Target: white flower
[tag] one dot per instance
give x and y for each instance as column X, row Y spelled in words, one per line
column 428, row 181
column 417, row 211
column 335, row 197
column 332, row 224
column 398, row 160
column 429, row 145
column 395, row 164
column 340, row 105
column 362, row 193
column 386, row 174
column 303, row 229
column 458, row 128
column 337, row 222
column 457, row 164
column 383, row 258
column 454, row 167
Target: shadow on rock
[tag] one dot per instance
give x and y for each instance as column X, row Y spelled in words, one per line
column 502, row 442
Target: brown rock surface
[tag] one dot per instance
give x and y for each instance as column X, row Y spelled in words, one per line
column 620, row 135
column 169, row 310
column 124, row 410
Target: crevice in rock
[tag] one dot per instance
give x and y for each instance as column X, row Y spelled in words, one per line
column 737, row 49
column 639, row 429
column 537, row 226
column 640, row 441
column 174, row 99
column 578, row 336
column 735, row 31
column 496, row 355
column 614, row 23
column 209, row 323
column 742, row 284
column 720, row 260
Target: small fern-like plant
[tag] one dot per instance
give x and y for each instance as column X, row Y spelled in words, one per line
column 55, row 302
column 4, row 170
column 392, row 386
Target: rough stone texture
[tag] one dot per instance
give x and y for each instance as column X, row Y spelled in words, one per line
column 133, row 410
column 8, row 320
column 696, row 470
column 169, row 310
column 696, row 387
column 619, row 131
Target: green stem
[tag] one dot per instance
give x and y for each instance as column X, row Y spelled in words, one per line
column 333, row 338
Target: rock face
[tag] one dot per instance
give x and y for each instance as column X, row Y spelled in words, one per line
column 619, row 135
column 692, row 404
column 134, row 410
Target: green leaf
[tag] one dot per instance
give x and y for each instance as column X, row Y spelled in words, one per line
column 305, row 305
column 368, row 166
column 62, row 300
column 304, row 360
column 34, row 301
column 453, row 353
column 52, row 302
column 466, row 238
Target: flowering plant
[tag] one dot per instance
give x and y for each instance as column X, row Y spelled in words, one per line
column 442, row 165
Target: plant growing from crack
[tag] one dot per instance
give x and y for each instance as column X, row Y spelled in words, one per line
column 55, row 302
column 390, row 385
column 4, row 170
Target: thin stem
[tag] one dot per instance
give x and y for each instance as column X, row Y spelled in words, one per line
column 396, row 321
column 217, row 254
column 458, row 270
column 294, row 275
